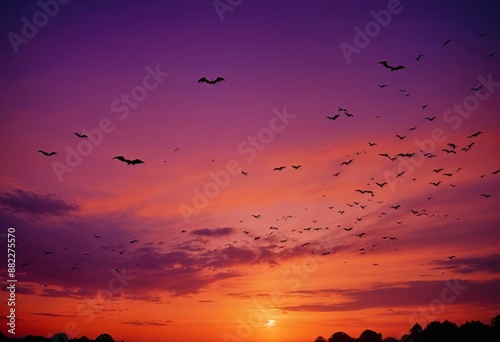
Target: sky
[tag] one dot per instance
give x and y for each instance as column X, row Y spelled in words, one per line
column 212, row 234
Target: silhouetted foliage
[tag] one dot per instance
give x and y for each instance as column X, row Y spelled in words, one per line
column 369, row 336
column 470, row 331
column 340, row 337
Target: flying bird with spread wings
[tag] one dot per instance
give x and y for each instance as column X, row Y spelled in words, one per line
column 212, row 81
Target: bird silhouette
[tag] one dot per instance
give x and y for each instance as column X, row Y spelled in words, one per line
column 401, row 137
column 435, row 183
column 333, row 117
column 430, row 119
column 256, row 216
column 346, row 162
column 447, row 42
column 418, row 57
column 133, row 241
column 279, row 168
column 296, row 167
column 96, row 236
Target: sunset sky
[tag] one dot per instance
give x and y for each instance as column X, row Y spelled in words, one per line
column 206, row 266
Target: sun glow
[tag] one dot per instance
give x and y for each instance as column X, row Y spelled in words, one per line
column 271, row 323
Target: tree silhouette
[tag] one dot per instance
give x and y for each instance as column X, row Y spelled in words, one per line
column 473, row 331
column 320, row 339
column 369, row 336
column 340, row 337
column 104, row 338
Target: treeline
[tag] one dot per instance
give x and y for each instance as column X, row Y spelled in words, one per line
column 471, row 331
column 60, row 337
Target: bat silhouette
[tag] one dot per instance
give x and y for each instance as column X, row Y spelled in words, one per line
column 418, row 57
column 447, row 42
column 183, row 231
column 397, row 206
column 244, row 173
column 96, row 236
column 438, row 170
column 449, row 151
column 434, row 183
column 382, row 85
column 296, row 167
column 384, row 63
column 495, row 172
column 409, row 155
column 365, row 191
column 431, row 119
column 361, row 234
column 448, row 174
column 279, row 168
column 491, row 54
column 336, row 174
column 388, row 156
column 256, row 216
column 346, row 162
column 342, row 109
column 453, row 146
column 47, row 153
column 133, row 241
column 381, row 184
column 401, row 137
column 80, row 135
column 333, row 117
column 477, row 88
column 474, row 135
column 349, row 115
column 451, row 257
column 423, row 107
column 412, row 128
column 468, row 147
column 348, row 229
column 372, row 144
column 212, row 81
column 400, row 174
column 128, row 161
column 47, row 252
column 486, row 195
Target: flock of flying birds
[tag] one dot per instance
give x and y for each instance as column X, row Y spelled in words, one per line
column 292, row 240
